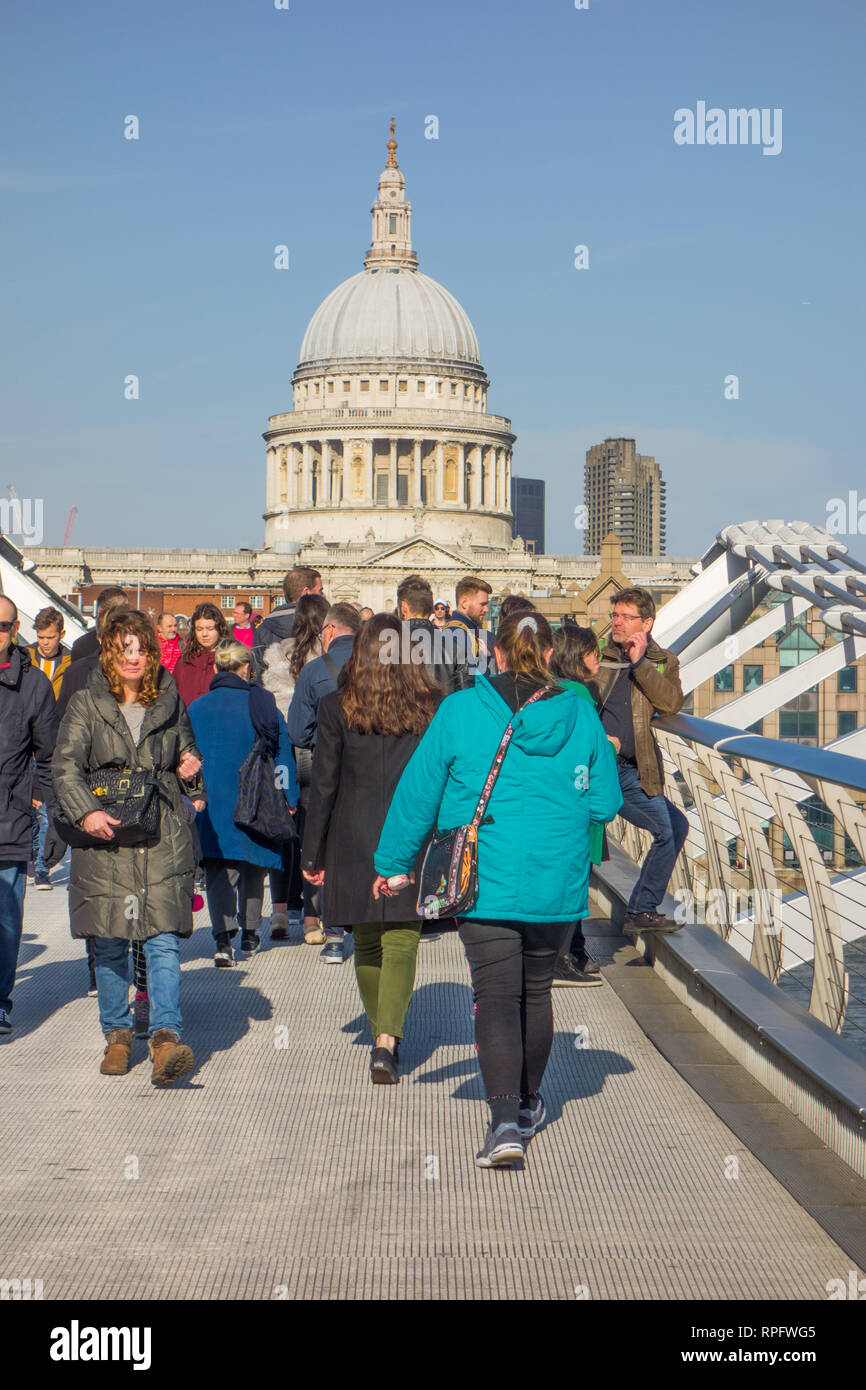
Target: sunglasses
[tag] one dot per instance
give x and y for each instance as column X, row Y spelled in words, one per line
column 6, row 625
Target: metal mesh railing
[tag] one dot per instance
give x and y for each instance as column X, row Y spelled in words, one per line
column 774, row 860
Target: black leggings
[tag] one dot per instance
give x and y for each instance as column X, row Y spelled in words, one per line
column 512, row 966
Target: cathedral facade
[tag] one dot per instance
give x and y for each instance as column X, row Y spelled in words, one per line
column 387, row 464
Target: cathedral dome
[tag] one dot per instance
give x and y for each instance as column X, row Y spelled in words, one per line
column 390, row 312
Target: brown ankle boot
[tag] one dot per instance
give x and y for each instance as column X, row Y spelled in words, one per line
column 171, row 1057
column 116, row 1059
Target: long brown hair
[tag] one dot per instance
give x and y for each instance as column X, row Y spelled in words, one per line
column 384, row 691
column 211, row 612
column 306, row 629
column 120, row 624
column 523, row 640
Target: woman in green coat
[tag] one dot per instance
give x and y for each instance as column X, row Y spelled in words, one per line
column 575, row 661
column 129, row 715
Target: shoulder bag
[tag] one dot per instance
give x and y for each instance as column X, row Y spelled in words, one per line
column 448, row 883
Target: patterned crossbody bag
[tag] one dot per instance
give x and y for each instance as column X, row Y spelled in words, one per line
column 448, row 883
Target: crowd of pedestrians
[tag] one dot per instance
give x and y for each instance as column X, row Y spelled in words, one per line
column 326, row 747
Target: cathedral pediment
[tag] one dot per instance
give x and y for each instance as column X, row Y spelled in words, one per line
column 417, row 552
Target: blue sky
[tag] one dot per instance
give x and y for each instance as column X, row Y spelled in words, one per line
column 261, row 126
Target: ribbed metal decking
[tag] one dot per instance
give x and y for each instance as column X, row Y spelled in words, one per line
column 276, row 1170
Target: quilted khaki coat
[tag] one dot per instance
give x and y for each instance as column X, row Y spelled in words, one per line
column 132, row 891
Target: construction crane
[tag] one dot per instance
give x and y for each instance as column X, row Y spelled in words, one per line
column 69, row 521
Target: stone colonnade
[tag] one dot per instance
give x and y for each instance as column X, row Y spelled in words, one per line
column 383, row 471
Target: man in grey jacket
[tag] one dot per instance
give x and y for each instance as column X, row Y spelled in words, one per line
column 28, row 732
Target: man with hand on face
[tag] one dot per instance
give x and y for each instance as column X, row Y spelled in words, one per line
column 637, row 679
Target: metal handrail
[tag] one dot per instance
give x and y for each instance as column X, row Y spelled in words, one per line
column 841, row 768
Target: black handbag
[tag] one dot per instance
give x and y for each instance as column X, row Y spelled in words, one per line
column 448, row 882
column 128, row 795
column 261, row 807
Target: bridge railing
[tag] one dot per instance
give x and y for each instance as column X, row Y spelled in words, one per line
column 774, row 860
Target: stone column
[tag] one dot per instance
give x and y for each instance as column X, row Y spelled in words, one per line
column 306, row 498
column 507, row 480
column 392, row 475
column 439, row 475
column 416, row 460
column 475, row 495
column 271, row 488
column 461, row 474
column 500, row 480
column 347, row 473
column 324, row 497
column 294, row 478
column 368, row 469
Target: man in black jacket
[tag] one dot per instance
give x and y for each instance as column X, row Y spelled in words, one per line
column 278, row 625
column 470, row 652
column 415, row 606
column 28, row 732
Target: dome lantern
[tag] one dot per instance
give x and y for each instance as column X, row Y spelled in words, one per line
column 392, row 219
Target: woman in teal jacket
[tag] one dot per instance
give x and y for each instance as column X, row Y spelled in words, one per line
column 558, row 776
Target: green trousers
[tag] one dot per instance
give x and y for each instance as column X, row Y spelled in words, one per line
column 385, row 966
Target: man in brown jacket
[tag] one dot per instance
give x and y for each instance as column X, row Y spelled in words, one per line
column 637, row 679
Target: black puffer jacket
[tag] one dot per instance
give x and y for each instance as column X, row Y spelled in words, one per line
column 127, row 891
column 28, row 730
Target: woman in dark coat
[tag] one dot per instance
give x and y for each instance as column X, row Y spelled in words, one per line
column 195, row 669
column 129, row 715
column 367, row 732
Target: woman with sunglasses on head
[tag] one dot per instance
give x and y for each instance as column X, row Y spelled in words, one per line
column 557, row 775
column 129, row 716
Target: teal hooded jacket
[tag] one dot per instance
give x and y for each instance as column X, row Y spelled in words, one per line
column 558, row 775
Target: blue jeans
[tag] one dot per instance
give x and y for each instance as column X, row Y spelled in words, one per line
column 13, row 878
column 111, row 960
column 669, row 829
column 40, row 827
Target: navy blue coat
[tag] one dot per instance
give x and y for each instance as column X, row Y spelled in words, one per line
column 224, row 734
column 28, row 730
column 315, row 681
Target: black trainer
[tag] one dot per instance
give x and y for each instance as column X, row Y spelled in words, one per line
column 223, row 956
column 250, row 943
column 649, row 921
column 568, row 972
column 587, row 964
column 383, row 1067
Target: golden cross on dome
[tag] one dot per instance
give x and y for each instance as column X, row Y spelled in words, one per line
column 392, row 149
